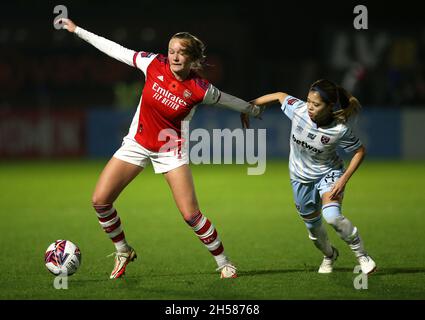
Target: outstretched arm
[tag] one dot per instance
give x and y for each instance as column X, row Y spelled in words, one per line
column 231, row 102
column 270, row 98
column 215, row 97
column 109, row 47
column 263, row 101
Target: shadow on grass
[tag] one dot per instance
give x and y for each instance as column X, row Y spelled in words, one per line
column 89, row 280
column 275, row 271
column 378, row 272
column 251, row 273
column 394, row 271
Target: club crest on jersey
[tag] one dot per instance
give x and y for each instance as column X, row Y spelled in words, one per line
column 291, row 101
column 187, row 94
column 325, row 139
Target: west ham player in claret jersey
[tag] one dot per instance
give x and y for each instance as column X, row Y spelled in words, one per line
column 317, row 172
column 170, row 95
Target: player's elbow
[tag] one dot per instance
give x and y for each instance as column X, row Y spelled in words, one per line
column 281, row 96
column 362, row 151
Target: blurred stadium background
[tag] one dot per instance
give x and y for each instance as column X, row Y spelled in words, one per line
column 60, row 97
column 61, row 100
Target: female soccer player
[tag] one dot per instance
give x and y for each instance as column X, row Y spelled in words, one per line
column 170, row 95
column 317, row 173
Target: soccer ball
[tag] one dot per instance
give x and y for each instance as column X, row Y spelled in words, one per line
column 62, row 257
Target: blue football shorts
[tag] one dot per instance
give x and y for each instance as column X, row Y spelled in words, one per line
column 308, row 196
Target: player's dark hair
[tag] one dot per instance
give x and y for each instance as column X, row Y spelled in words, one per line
column 343, row 103
column 195, row 48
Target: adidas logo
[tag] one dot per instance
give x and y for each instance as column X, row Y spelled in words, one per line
column 161, row 78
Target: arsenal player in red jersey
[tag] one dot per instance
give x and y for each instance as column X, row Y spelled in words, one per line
column 170, row 95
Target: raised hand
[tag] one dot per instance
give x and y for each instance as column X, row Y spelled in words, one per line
column 66, row 24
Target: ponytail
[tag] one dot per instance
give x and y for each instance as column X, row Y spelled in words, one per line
column 343, row 103
column 349, row 106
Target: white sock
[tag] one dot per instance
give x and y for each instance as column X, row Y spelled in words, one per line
column 317, row 233
column 122, row 246
column 221, row 259
column 344, row 228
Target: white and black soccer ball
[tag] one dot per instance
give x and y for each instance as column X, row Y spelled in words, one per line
column 62, row 257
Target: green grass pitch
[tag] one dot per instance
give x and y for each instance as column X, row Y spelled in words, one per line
column 254, row 215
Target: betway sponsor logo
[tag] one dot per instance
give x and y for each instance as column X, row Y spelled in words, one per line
column 167, row 98
column 306, row 145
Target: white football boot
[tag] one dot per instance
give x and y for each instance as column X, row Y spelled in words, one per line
column 227, row 271
column 367, row 264
column 327, row 263
column 121, row 261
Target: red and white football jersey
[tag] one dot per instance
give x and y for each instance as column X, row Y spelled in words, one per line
column 166, row 101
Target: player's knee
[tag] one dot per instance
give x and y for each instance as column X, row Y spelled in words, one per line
column 96, row 201
column 101, row 198
column 188, row 215
column 344, row 228
column 312, row 220
column 188, row 210
column 338, row 224
column 100, row 204
column 332, row 213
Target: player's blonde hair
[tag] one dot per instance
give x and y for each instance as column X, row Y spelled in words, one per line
column 195, row 48
column 343, row 103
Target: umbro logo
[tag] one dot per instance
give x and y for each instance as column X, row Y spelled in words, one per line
column 312, row 136
column 161, row 78
column 299, row 129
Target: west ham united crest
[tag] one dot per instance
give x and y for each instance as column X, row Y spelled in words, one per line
column 291, row 101
column 325, row 139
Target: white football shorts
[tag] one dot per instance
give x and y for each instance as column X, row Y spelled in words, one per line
column 132, row 152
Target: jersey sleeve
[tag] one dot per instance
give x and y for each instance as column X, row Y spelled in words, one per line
column 290, row 104
column 349, row 141
column 212, row 95
column 142, row 59
column 108, row 47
